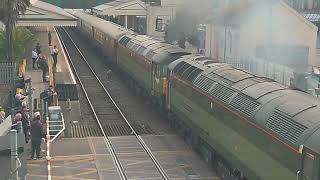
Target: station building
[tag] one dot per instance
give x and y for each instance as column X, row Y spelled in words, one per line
column 128, row 13
column 158, row 17
column 145, row 18
column 276, row 38
column 44, row 14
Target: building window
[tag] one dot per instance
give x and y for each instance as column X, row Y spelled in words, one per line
column 162, row 22
column 229, row 43
column 159, row 24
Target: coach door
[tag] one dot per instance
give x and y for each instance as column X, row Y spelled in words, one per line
column 153, row 77
column 309, row 165
column 93, row 32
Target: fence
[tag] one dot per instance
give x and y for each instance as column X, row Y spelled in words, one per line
column 261, row 67
column 8, row 73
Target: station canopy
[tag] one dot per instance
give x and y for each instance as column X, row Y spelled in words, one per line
column 312, row 17
column 121, row 8
column 44, row 14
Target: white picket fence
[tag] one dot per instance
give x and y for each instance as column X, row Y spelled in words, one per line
column 8, row 72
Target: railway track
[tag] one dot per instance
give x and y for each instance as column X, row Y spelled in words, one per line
column 110, row 119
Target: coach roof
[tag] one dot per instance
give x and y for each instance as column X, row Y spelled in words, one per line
column 110, row 28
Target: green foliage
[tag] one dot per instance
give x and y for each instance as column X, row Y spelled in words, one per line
column 9, row 13
column 22, row 38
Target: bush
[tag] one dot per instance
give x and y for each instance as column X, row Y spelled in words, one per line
column 22, row 38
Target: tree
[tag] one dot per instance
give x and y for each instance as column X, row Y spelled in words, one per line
column 9, row 12
column 22, row 37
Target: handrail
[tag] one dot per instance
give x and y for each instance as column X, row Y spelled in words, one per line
column 48, row 157
column 60, row 131
column 18, row 167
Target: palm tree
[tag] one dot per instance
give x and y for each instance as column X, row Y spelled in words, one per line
column 22, row 37
column 9, row 12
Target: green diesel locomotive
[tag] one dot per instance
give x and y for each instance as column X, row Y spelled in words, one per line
column 247, row 127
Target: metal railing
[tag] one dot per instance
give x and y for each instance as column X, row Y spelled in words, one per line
column 8, row 72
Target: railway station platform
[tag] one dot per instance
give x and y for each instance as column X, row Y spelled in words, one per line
column 63, row 75
column 88, row 158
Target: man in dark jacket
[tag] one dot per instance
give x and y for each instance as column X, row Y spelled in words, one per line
column 38, row 49
column 49, row 38
column 25, row 122
column 36, row 136
column 44, row 67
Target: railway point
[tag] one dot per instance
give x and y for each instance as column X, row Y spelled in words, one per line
column 125, row 102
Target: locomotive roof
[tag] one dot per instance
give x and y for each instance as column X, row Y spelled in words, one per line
column 291, row 115
column 152, row 49
column 110, row 28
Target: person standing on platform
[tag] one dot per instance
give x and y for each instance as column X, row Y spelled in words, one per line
column 49, row 38
column 25, row 122
column 34, row 57
column 16, row 119
column 38, row 49
column 44, row 67
column 54, row 54
column 36, row 136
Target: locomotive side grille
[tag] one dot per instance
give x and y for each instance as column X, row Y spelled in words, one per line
column 244, row 104
column 194, row 74
column 222, row 93
column 179, row 65
column 187, row 72
column 285, row 126
column 198, row 80
column 204, row 83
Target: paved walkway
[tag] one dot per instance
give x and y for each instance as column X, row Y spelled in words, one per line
column 39, row 171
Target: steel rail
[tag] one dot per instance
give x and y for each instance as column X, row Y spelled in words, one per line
column 140, row 140
column 107, row 141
